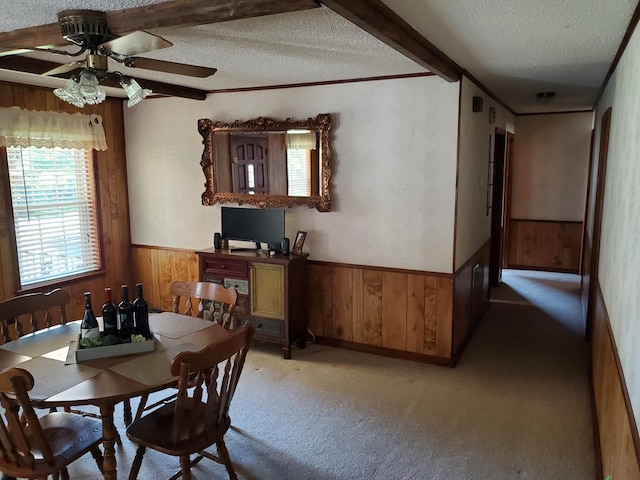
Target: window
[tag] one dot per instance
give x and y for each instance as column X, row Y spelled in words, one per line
column 298, row 172
column 54, row 210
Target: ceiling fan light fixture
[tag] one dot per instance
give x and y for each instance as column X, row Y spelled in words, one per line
column 134, row 91
column 70, row 93
column 88, row 83
column 89, row 88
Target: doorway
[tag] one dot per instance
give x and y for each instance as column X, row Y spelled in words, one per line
column 497, row 207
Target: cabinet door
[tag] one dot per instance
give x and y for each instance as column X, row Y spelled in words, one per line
column 266, row 286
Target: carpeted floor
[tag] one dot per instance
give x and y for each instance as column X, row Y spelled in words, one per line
column 517, row 406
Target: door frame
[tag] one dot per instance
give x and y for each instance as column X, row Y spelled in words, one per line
column 497, row 207
column 590, row 274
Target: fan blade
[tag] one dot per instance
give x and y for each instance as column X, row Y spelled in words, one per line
column 67, row 67
column 169, row 67
column 7, row 51
column 4, row 51
column 135, row 43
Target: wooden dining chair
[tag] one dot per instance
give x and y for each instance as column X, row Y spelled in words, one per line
column 218, row 302
column 32, row 312
column 33, row 447
column 199, row 417
column 214, row 301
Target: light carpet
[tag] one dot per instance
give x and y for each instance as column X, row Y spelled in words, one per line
column 517, row 406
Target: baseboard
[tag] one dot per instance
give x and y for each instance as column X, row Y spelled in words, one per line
column 543, row 269
column 386, row 352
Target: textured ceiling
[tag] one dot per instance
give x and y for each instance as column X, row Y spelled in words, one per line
column 514, row 47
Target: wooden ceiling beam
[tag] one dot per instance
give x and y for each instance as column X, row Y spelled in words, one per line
column 36, row 66
column 376, row 18
column 168, row 14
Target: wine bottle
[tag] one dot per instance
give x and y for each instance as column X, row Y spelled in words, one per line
column 89, row 327
column 109, row 314
column 125, row 313
column 141, row 314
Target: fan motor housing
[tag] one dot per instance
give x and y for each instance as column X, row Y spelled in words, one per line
column 87, row 28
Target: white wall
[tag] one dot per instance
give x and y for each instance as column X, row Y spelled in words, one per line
column 473, row 225
column 550, row 166
column 393, row 184
column 620, row 243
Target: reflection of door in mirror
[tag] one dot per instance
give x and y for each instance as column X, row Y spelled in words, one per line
column 249, row 159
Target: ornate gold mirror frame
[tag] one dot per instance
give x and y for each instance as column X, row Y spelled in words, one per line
column 216, row 158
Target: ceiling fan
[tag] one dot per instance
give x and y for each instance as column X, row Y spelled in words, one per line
column 88, row 30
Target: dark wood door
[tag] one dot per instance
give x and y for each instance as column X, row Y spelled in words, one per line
column 249, row 159
column 497, row 209
column 590, row 269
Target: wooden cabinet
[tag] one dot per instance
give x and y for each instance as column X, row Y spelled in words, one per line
column 272, row 291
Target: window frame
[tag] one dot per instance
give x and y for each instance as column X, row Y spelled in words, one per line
column 58, row 282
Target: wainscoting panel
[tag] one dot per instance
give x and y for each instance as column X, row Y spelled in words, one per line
column 157, row 267
column 618, row 431
column 544, row 245
column 406, row 314
column 471, row 298
column 374, row 308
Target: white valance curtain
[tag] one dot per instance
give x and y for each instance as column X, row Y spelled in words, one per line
column 28, row 128
column 301, row 141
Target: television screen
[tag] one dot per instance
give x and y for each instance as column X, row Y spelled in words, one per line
column 253, row 225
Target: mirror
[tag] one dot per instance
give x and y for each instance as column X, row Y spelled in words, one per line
column 267, row 163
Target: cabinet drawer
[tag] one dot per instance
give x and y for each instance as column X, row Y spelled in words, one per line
column 243, row 304
column 224, row 268
column 242, row 286
column 264, row 327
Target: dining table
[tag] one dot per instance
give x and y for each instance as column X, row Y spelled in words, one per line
column 63, row 381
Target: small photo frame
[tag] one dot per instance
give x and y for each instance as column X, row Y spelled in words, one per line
column 299, row 242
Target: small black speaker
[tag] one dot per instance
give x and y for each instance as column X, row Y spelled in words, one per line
column 284, row 246
column 477, row 104
column 217, row 240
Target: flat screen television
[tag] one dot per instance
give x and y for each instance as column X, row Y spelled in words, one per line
column 259, row 225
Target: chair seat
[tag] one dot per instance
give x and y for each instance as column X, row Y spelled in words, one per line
column 70, row 436
column 151, row 431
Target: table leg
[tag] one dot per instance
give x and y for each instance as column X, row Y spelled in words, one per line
column 108, row 442
column 126, row 405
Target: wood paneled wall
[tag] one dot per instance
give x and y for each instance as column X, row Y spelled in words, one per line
column 471, row 298
column 381, row 310
column 617, row 428
column 113, row 207
column 157, row 267
column 399, row 313
column 544, row 245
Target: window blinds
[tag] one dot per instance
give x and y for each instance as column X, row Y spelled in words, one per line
column 54, row 209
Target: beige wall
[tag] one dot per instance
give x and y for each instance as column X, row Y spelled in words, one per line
column 473, row 225
column 393, row 189
column 550, row 166
column 619, row 252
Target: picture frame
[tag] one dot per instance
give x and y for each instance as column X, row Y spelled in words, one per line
column 299, row 242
